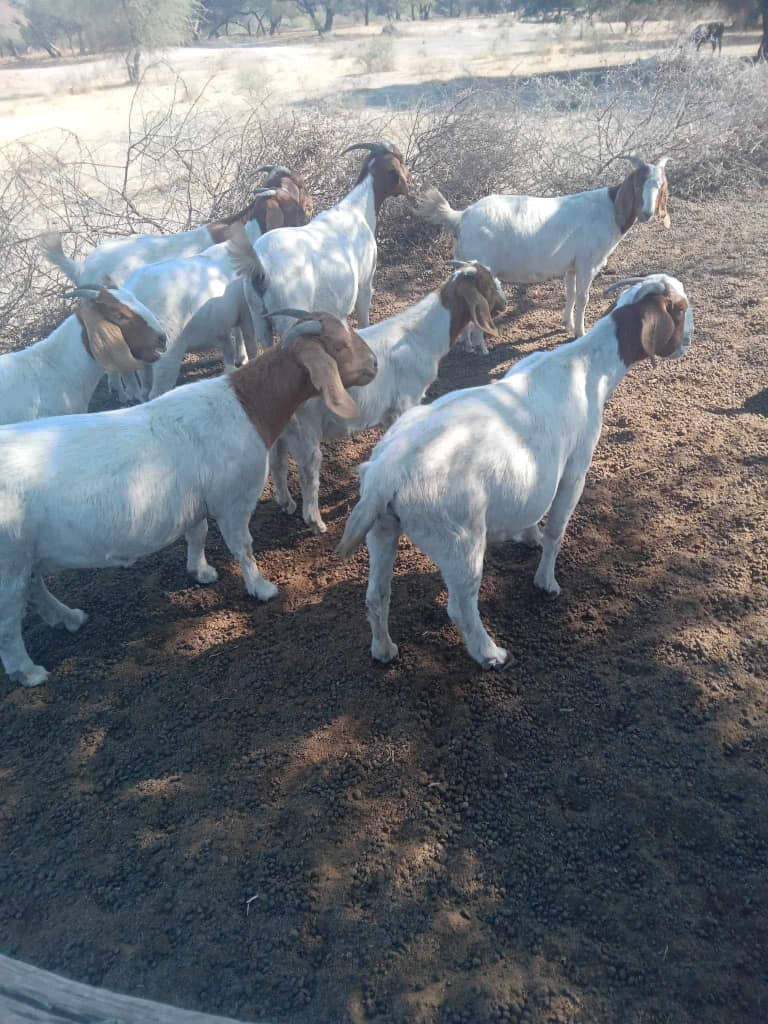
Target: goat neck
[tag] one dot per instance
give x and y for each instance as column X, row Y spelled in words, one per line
column 599, row 356
column 270, row 389
column 362, row 199
column 74, row 360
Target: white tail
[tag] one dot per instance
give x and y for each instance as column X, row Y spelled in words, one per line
column 434, row 207
column 51, row 246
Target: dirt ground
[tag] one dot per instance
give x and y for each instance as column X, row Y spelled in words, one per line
column 227, row 806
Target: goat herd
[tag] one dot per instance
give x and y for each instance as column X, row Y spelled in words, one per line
column 89, row 490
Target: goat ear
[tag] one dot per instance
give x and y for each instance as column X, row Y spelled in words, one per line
column 656, row 326
column 661, row 206
column 624, row 203
column 479, row 310
column 324, row 374
column 105, row 339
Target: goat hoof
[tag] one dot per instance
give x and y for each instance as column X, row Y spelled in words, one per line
column 36, row 676
column 317, row 527
column 289, row 507
column 385, row 653
column 75, row 620
column 263, row 590
column 498, row 662
column 207, row 575
column 551, row 587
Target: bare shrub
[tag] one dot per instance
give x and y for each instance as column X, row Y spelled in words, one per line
column 377, row 56
column 185, row 164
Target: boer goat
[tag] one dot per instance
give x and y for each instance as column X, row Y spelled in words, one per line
column 485, row 464
column 103, row 490
column 525, row 239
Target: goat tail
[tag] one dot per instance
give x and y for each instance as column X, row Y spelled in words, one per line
column 434, row 207
column 363, row 516
column 50, row 243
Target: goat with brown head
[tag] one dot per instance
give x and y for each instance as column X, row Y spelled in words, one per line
column 474, row 296
column 319, row 355
column 119, row 332
column 386, row 165
column 654, row 320
column 643, row 193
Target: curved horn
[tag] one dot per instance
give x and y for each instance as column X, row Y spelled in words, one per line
column 374, row 147
column 305, row 327
column 461, row 263
column 273, row 168
column 297, row 314
column 85, row 291
column 625, row 282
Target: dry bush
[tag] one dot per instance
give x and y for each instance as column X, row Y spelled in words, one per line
column 376, row 56
column 185, row 165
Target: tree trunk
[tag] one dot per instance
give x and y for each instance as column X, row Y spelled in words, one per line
column 762, row 52
column 50, row 49
column 329, row 16
column 80, row 41
column 367, row 13
column 133, row 64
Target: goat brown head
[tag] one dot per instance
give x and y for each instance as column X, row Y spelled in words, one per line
column 655, row 325
column 642, row 193
column 118, row 331
column 386, row 165
column 473, row 296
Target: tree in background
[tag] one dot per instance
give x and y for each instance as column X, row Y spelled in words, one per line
column 151, row 25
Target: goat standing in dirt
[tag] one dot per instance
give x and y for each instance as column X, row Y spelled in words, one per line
column 526, row 239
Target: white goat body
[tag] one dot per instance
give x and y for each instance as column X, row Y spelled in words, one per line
column 58, row 375
column 486, row 464
column 281, row 200
column 526, row 239
column 106, row 489
column 327, row 264
column 408, row 348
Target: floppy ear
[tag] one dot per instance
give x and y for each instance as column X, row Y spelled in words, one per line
column 656, row 326
column 661, row 205
column 105, row 339
column 324, row 374
column 479, row 310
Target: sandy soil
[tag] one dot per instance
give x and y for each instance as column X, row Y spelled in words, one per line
column 91, row 98
column 227, row 806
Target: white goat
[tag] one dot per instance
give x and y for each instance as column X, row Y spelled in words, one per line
column 328, row 264
column 525, row 239
column 106, row 489
column 485, row 464
column 408, row 348
column 194, row 263
column 110, row 331
column 281, row 201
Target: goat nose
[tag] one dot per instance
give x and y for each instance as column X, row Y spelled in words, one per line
column 374, row 360
column 162, row 338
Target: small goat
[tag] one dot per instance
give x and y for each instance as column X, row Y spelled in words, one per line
column 486, row 464
column 408, row 348
column 106, row 489
column 525, row 239
column 110, row 331
column 709, row 32
column 327, row 264
column 281, row 201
